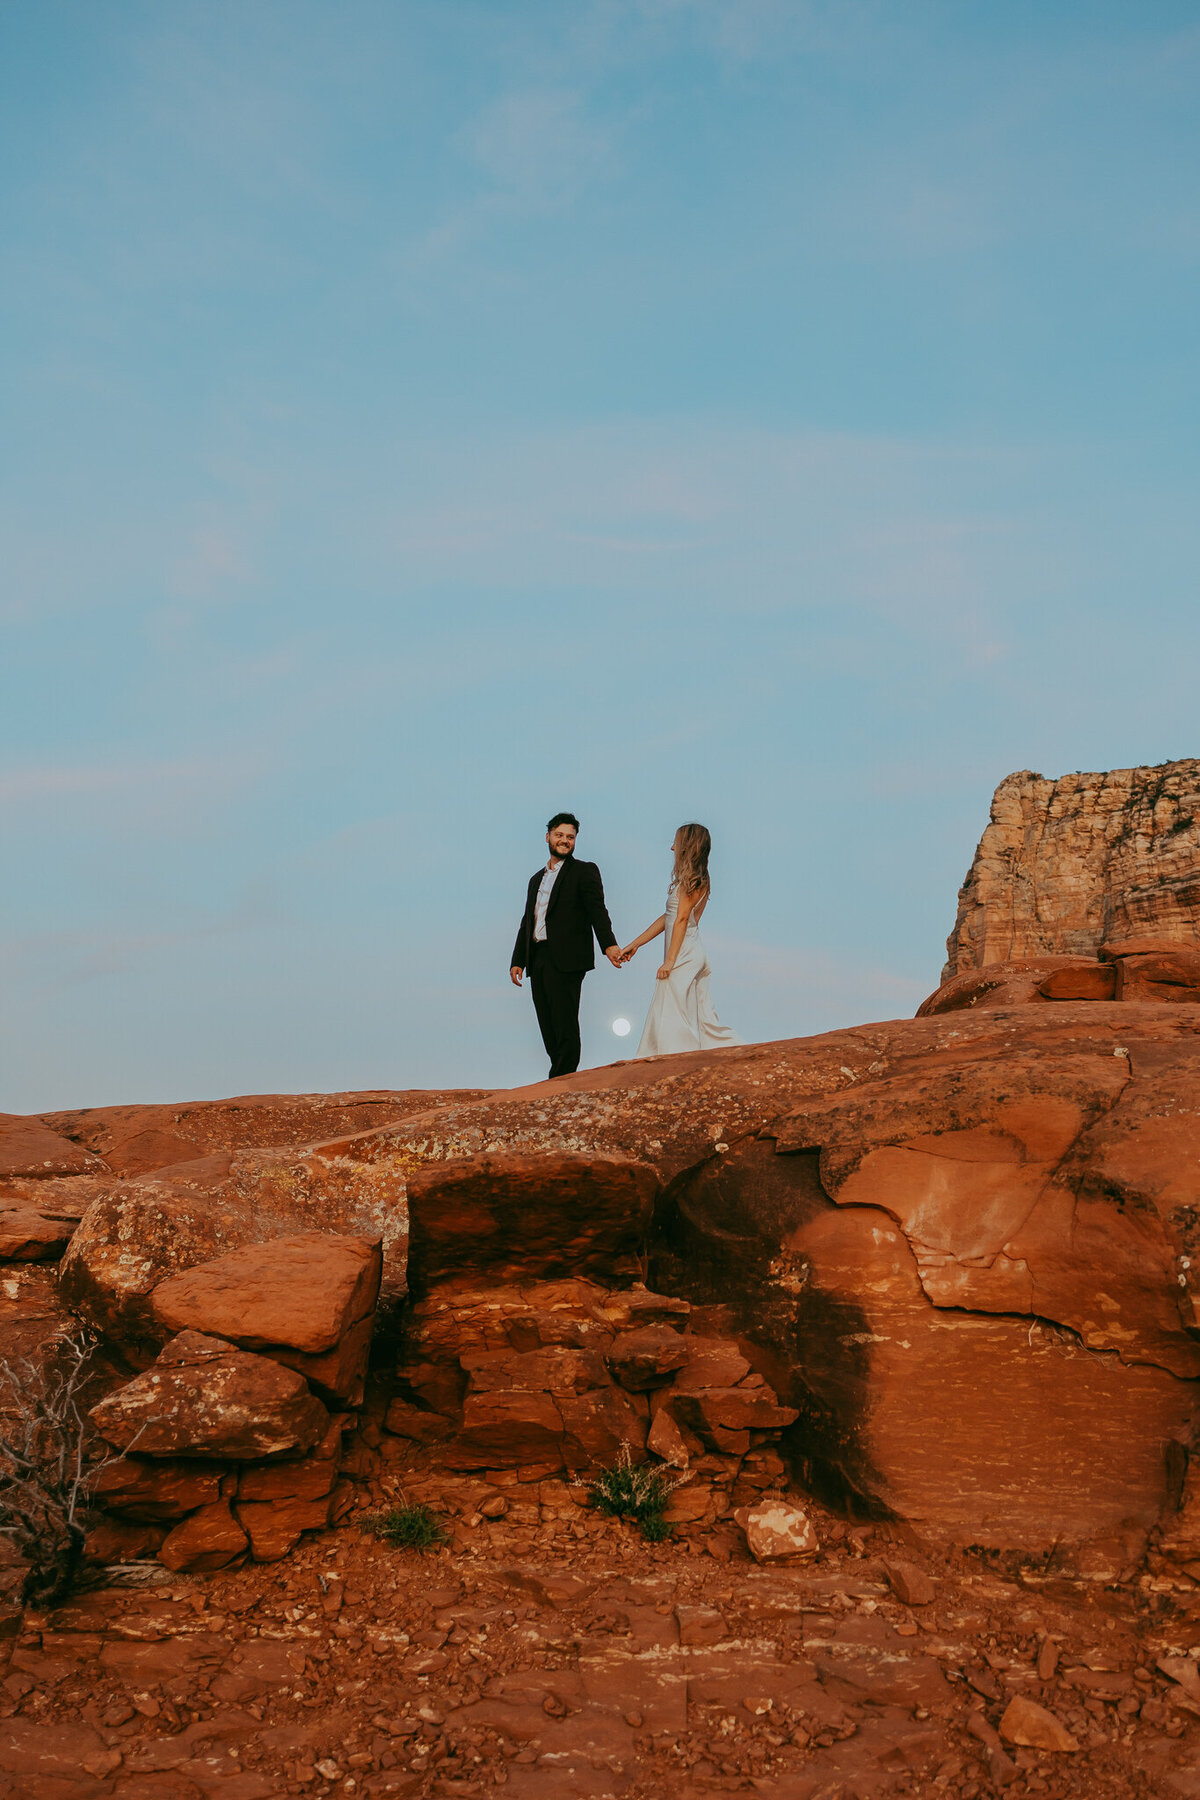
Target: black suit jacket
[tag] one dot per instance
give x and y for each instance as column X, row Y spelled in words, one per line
column 576, row 910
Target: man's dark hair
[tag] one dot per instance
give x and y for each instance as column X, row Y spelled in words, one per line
column 563, row 819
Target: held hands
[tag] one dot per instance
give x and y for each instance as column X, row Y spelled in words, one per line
column 616, row 957
column 628, row 953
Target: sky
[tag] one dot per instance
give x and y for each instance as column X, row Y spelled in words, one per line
column 421, row 418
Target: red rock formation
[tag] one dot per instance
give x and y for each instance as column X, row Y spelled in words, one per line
column 203, row 1398
column 537, row 1216
column 135, row 1140
column 307, row 1301
column 29, row 1236
column 28, row 1147
column 205, row 1540
column 1137, row 969
column 1066, row 865
column 137, row 1234
column 976, row 1229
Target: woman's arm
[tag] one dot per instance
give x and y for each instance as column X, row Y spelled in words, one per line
column 686, row 903
column 651, row 931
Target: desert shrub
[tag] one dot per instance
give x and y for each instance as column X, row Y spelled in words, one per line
column 410, row 1526
column 636, row 1491
column 44, row 1465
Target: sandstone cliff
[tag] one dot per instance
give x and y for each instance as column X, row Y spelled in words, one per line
column 1065, row 866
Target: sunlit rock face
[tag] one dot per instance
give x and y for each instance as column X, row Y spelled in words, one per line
column 1067, row 866
column 960, row 1247
column 949, row 1263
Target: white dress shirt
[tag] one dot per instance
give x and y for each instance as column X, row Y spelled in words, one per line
column 543, row 901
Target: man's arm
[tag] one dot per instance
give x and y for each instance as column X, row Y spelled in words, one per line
column 520, row 955
column 591, row 893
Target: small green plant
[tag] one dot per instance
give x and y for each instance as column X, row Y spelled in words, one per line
column 628, row 1490
column 411, row 1526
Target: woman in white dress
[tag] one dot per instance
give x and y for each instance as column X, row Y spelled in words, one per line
column 681, row 1015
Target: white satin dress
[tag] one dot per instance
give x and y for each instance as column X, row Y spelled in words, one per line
column 681, row 1015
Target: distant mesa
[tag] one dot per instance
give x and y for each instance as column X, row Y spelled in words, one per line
column 1066, row 866
column 1085, row 888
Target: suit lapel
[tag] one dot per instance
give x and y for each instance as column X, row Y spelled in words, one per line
column 565, row 873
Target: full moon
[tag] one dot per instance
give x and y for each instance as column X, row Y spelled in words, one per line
column 621, row 1027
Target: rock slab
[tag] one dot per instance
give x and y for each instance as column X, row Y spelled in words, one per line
column 204, row 1398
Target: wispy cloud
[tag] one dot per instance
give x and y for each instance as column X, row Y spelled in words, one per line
column 54, row 961
column 540, row 148
column 193, row 776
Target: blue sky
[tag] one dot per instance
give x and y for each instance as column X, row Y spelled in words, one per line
column 424, row 416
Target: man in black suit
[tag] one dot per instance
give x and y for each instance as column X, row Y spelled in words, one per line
column 563, row 908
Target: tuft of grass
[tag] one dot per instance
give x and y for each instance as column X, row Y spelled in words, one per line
column 635, row 1491
column 408, row 1527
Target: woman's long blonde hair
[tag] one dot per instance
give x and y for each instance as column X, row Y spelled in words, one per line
column 692, row 845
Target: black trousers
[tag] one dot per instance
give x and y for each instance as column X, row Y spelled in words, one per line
column 556, row 1001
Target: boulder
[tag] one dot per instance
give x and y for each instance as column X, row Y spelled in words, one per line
column 670, row 1441
column 417, row 1423
column 599, row 1425
column 555, row 1371
column 1034, row 1727
column 636, row 1308
column 1023, row 981
column 712, row 1362
column 911, row 1585
column 142, row 1233
column 723, row 1418
column 307, row 1301
column 647, row 1356
column 777, row 1531
column 205, row 1540
column 275, row 1527
column 299, row 1293
column 132, row 1239
column 1186, row 1675
column 204, row 1398
column 1162, row 972
column 1130, row 969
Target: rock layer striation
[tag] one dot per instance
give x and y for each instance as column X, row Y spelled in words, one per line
column 1065, row 866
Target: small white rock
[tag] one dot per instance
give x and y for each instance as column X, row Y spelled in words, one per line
column 775, row 1529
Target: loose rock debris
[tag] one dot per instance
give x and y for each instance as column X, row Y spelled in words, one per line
column 563, row 1658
